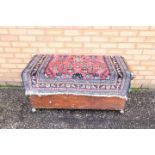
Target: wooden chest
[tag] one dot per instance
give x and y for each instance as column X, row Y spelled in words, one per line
column 77, row 82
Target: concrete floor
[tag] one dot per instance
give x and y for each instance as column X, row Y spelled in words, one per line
column 15, row 112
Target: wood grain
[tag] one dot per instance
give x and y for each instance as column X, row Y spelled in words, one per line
column 76, row 102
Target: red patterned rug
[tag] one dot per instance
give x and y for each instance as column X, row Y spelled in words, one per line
column 77, row 75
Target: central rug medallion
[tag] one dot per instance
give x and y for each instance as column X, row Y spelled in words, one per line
column 77, row 67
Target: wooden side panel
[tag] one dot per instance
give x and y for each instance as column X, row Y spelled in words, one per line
column 76, row 102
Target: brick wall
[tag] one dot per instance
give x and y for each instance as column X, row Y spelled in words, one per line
column 136, row 44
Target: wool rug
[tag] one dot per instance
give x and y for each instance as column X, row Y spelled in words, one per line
column 89, row 75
